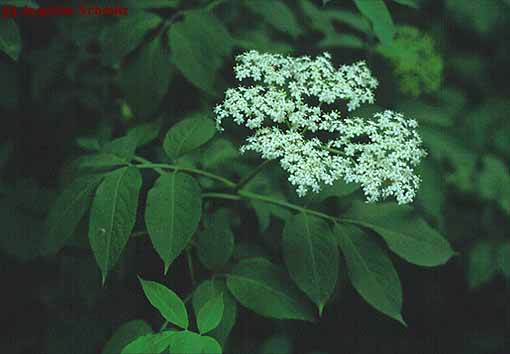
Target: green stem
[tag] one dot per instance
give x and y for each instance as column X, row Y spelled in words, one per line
column 158, row 167
column 221, row 196
column 252, row 174
column 239, row 193
column 263, row 198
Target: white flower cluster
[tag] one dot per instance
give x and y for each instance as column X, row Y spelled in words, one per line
column 380, row 154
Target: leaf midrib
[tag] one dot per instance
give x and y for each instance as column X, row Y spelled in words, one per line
column 110, row 226
column 172, row 210
column 187, row 134
column 315, row 278
column 168, row 307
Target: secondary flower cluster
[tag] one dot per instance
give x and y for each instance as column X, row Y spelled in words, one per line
column 415, row 60
column 379, row 153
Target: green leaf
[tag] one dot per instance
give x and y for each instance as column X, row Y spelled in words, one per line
column 125, row 334
column 215, row 244
column 125, row 35
column 151, row 343
column 144, row 133
column 145, row 79
column 482, row 17
column 342, row 40
column 266, row 185
column 210, row 346
column 407, row 235
column 443, row 145
column 494, row 181
column 199, row 45
column 67, row 211
column 411, row 3
column 266, row 289
column 209, row 316
column 187, row 135
column 10, row 38
column 311, row 256
column 113, row 216
column 351, row 19
column 378, row 14
column 325, row 20
column 100, row 161
column 186, row 342
column 371, row 272
column 211, row 289
column 482, row 264
column 166, row 302
column 109, row 154
column 264, row 211
column 249, row 250
column 219, row 153
column 122, row 147
column 172, row 214
column 277, row 14
column 261, row 39
column 88, row 143
column 424, row 113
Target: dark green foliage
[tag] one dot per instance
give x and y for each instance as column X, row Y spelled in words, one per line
column 380, row 17
column 370, row 271
column 10, row 39
column 125, row 334
column 416, row 63
column 145, row 87
column 199, row 44
column 172, row 214
column 208, row 291
column 67, row 212
column 406, row 235
column 167, row 302
column 113, row 215
column 188, row 135
column 265, row 288
column 111, row 162
column 215, row 243
column 311, row 257
column 210, row 314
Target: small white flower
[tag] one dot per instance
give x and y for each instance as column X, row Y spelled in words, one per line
column 379, row 154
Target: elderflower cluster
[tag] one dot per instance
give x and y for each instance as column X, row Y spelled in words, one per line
column 288, row 106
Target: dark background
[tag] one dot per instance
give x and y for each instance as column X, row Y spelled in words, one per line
column 58, row 90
